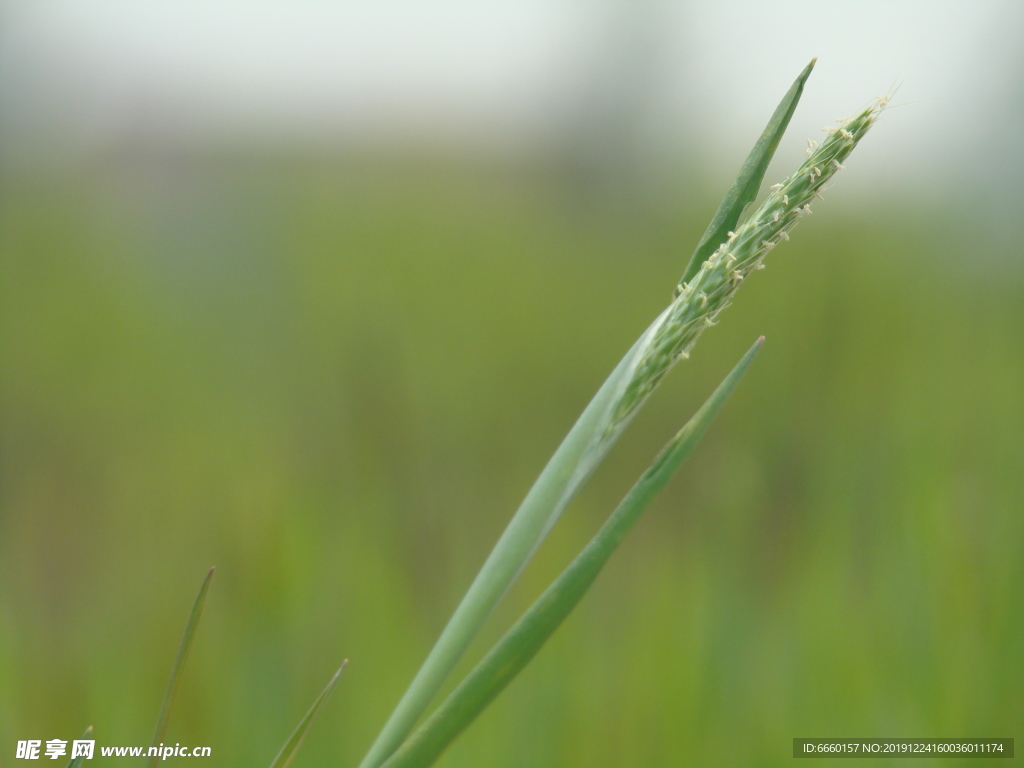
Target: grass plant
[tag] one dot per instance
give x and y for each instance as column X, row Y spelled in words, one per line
column 723, row 259
column 729, row 252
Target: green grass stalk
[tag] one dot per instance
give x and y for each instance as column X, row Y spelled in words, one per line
column 515, row 650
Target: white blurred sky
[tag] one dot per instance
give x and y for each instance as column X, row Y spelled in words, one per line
column 509, row 76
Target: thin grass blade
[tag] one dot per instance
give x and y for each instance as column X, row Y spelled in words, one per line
column 179, row 665
column 744, row 190
column 77, row 761
column 511, row 654
column 284, row 757
column 591, row 437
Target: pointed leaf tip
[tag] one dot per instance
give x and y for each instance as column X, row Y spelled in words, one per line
column 744, row 190
column 76, row 762
column 291, row 747
column 179, row 664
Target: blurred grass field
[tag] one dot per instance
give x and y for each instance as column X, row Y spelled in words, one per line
column 335, row 378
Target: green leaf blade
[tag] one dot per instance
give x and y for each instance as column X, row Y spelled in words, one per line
column 291, row 747
column 77, row 761
column 514, row 651
column 744, row 190
column 580, row 452
column 179, row 664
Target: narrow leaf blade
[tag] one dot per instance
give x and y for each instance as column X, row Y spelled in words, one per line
column 179, row 665
column 287, row 753
column 579, row 454
column 744, row 190
column 77, row 761
column 511, row 654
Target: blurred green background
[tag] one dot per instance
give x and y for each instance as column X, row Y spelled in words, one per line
column 334, row 375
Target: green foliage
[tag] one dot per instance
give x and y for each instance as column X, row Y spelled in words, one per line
column 670, row 337
column 76, row 762
column 521, row 643
column 744, row 190
column 291, row 747
column 179, row 665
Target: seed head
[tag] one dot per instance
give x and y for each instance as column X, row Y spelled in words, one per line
column 698, row 302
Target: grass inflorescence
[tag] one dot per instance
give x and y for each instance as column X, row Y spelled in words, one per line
column 699, row 300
